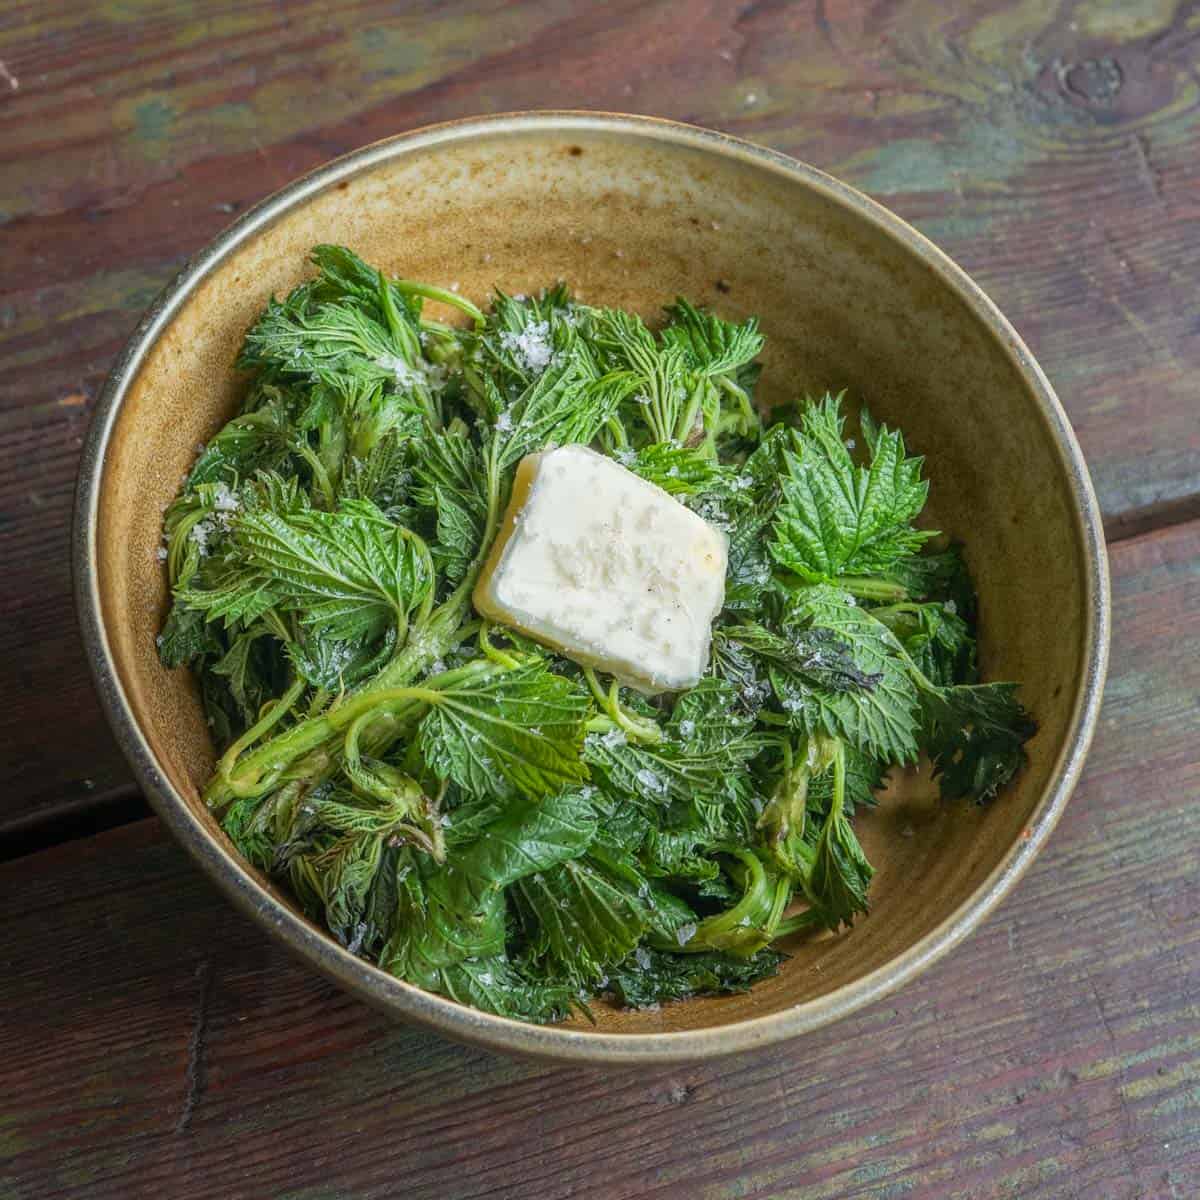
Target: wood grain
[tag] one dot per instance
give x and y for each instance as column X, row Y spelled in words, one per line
column 1054, row 150
column 154, row 1042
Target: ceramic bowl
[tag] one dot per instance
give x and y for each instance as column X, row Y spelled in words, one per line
column 632, row 211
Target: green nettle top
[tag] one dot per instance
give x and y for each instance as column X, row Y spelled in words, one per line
column 462, row 806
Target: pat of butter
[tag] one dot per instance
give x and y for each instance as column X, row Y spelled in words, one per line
column 607, row 569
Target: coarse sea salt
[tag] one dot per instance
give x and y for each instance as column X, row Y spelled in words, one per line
column 531, row 347
column 685, row 932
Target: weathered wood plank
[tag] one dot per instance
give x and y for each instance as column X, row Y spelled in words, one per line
column 153, row 1042
column 1055, row 153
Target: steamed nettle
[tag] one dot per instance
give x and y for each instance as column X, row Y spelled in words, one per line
column 467, row 808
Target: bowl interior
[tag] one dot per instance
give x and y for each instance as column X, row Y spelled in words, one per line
column 632, row 218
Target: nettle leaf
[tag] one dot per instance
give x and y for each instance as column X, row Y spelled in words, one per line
column 707, row 721
column 942, row 576
column 837, row 518
column 522, row 337
column 936, row 638
column 530, row 836
column 814, row 657
column 230, row 592
column 517, row 731
column 744, row 507
column 580, row 917
column 679, row 855
column 371, row 412
column 351, row 572
column 451, row 483
column 496, row 985
column 651, row 977
column 335, row 663
column 976, row 737
column 841, row 875
column 431, row 932
column 659, row 380
column 382, row 476
column 345, row 276
column 259, row 439
column 246, row 671
column 187, row 637
column 460, row 528
column 880, row 719
column 678, row 470
column 349, row 870
column 713, row 346
column 311, row 341
column 564, row 405
column 268, row 491
column 624, row 341
column 863, row 775
column 672, row 771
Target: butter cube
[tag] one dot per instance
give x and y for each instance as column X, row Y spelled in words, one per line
column 607, row 569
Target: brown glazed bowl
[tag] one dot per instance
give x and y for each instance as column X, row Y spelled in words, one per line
column 631, row 211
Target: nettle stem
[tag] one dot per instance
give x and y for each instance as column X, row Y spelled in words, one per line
column 865, row 588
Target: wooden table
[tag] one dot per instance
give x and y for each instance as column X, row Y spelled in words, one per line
column 153, row 1043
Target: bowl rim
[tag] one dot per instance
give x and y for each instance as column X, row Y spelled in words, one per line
column 403, row 1000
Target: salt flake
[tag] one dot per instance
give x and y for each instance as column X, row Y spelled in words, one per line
column 531, row 347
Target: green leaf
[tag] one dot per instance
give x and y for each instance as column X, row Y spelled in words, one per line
column 431, row 933
column 231, row 593
column 935, row 637
column 976, row 737
column 659, row 381
column 863, row 776
column 495, row 985
column 881, row 719
column 249, row 681
column 451, row 483
column 348, row 872
column 517, row 731
column 351, row 572
column 680, row 855
column 840, row 874
column 187, row 637
column 707, row 722
column 838, row 519
column 459, row 533
column 806, row 658
column 942, row 576
column 562, row 405
column 324, row 340
column 745, row 508
column 382, row 476
column 259, row 439
column 669, row 772
column 521, row 339
column 678, row 470
column 650, row 977
column 530, row 836
column 713, row 346
column 344, row 273
column 579, row 917
column 334, row 663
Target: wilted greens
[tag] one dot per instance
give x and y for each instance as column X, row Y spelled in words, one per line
column 465, row 808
